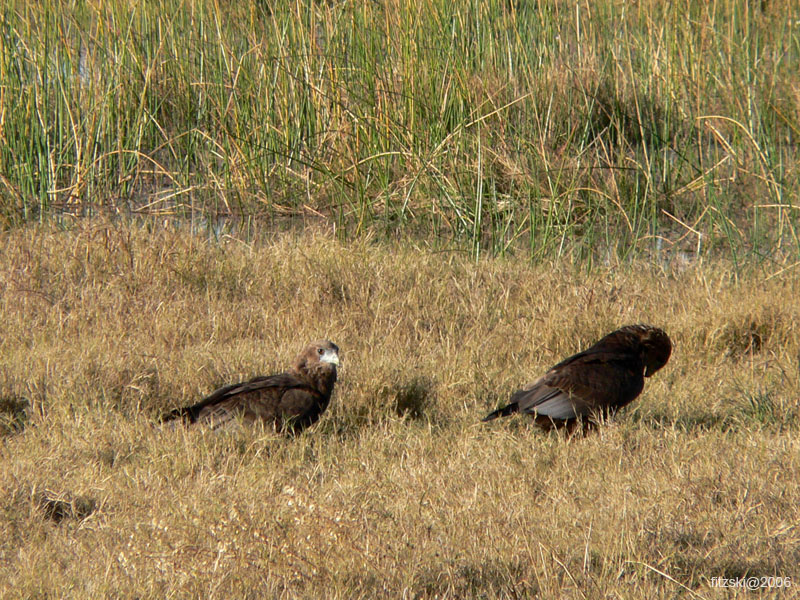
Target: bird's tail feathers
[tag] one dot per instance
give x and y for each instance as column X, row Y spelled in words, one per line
column 502, row 412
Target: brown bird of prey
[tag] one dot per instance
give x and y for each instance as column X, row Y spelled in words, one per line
column 593, row 384
column 289, row 401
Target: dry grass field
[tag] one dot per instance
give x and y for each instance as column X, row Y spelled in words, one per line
column 398, row 491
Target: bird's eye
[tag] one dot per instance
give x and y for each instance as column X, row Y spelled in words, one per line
column 320, row 351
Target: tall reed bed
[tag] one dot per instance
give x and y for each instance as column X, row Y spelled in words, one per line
column 594, row 130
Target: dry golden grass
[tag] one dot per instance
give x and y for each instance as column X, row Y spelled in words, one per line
column 398, row 491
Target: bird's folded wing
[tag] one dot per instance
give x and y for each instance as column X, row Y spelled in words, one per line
column 545, row 399
column 575, row 388
column 222, row 404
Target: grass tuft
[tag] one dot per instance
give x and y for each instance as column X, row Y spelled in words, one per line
column 412, row 398
column 57, row 509
column 14, row 414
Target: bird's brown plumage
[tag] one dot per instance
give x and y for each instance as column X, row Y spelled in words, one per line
column 594, row 383
column 289, row 401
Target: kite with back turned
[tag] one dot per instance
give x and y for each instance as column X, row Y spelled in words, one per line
column 593, row 384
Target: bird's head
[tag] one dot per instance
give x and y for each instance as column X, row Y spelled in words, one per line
column 656, row 348
column 323, row 354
